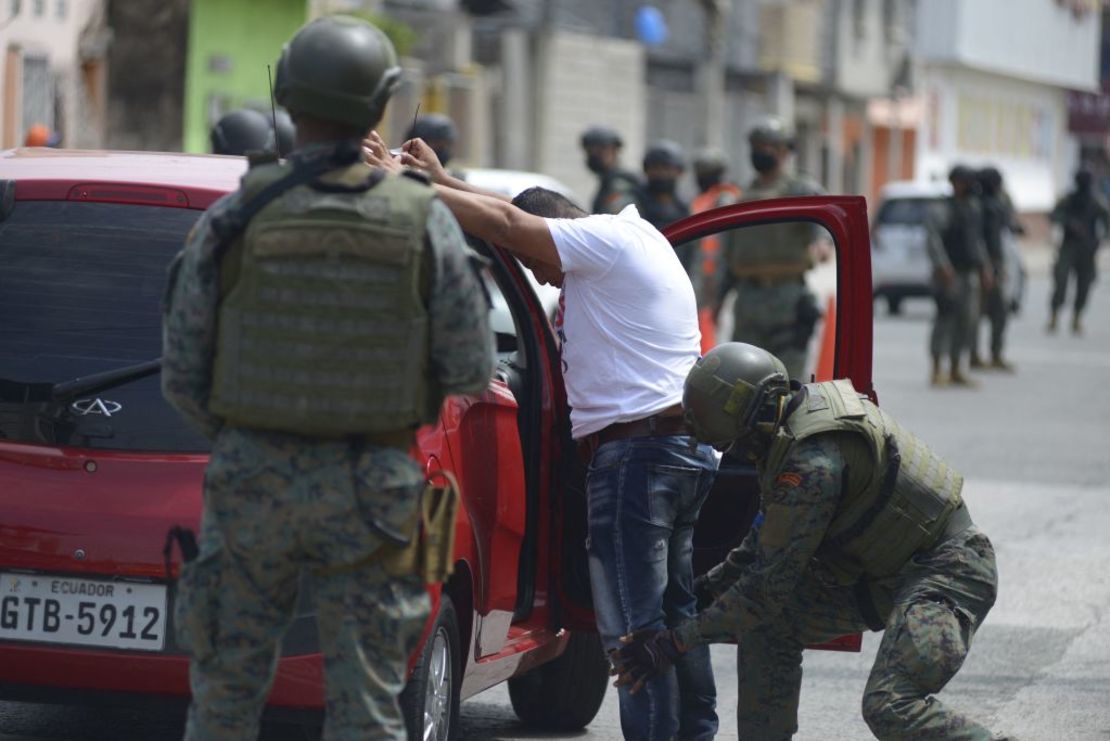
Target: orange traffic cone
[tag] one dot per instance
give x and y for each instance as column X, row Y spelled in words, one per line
column 826, row 356
column 708, row 330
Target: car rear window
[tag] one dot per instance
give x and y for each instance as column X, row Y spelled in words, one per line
column 80, row 293
column 909, row 211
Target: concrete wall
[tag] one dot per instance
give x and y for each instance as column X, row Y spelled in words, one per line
column 583, row 80
column 230, row 44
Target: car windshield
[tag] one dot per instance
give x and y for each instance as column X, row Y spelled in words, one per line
column 80, row 295
column 908, row 211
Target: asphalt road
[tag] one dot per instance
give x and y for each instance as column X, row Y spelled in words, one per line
column 1033, row 446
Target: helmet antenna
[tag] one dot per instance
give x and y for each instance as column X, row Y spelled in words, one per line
column 273, row 112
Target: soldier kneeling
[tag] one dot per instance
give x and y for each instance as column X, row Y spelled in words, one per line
column 860, row 526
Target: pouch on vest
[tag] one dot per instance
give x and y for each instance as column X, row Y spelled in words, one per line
column 430, row 551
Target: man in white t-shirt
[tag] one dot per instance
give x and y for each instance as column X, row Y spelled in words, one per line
column 629, row 334
column 628, row 328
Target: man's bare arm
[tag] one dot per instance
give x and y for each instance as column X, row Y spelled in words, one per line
column 503, row 224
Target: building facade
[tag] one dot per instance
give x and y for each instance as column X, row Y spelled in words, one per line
column 53, row 70
column 994, row 86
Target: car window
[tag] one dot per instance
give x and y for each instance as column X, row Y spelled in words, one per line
column 905, row 211
column 80, row 293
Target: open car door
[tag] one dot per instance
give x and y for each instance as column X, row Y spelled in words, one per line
column 840, row 345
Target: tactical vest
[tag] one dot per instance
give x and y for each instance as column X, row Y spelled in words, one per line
column 905, row 503
column 322, row 329
column 772, row 250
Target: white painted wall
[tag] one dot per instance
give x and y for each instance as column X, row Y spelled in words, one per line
column 1036, row 40
column 977, row 118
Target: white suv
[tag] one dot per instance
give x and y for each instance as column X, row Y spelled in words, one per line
column 900, row 266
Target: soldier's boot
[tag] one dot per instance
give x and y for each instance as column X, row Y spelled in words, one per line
column 1052, row 320
column 957, row 378
column 936, row 378
column 1076, row 325
column 976, row 363
column 998, row 363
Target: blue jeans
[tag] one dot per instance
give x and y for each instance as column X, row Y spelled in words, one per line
column 644, row 496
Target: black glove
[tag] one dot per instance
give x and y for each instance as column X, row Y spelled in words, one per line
column 703, row 592
column 647, row 653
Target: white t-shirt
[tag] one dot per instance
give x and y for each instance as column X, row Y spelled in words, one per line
column 627, row 319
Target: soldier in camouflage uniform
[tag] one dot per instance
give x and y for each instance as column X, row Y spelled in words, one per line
column 961, row 267
column 315, row 318
column 861, row 526
column 767, row 264
column 1084, row 217
column 617, row 188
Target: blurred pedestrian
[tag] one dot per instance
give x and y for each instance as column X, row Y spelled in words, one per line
column 628, row 328
column 767, row 264
column 998, row 222
column 664, row 163
column 861, row 527
column 714, row 191
column 960, row 268
column 1084, row 216
column 617, row 188
column 304, row 474
column 242, row 131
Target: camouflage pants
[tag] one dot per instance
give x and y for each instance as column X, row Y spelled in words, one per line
column 1078, row 260
column 273, row 506
column 932, row 609
column 992, row 306
column 768, row 316
column 952, row 325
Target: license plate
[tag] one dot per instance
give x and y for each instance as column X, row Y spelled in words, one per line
column 87, row 612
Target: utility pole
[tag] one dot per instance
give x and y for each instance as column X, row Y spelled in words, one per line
column 710, row 77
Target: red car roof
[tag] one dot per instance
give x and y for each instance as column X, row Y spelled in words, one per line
column 202, row 176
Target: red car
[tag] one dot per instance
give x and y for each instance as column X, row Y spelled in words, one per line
column 95, row 467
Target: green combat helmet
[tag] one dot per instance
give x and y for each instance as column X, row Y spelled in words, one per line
column 340, row 69
column 735, row 394
column 770, row 130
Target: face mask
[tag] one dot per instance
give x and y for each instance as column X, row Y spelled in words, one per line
column 705, row 182
column 660, row 186
column 764, row 162
column 595, row 164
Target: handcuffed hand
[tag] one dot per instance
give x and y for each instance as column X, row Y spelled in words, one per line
column 646, row 654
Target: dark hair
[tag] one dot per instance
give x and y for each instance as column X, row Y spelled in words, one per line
column 547, row 203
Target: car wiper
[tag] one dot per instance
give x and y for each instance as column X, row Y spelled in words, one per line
column 23, row 392
column 97, row 382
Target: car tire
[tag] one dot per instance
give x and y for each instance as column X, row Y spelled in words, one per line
column 430, row 700
column 564, row 694
column 894, row 304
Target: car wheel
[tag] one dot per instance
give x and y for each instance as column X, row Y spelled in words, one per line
column 564, row 694
column 894, row 304
column 430, row 701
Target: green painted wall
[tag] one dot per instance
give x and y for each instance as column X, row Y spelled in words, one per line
column 230, row 44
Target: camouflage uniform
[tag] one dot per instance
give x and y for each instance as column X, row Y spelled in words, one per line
column 1085, row 221
column 276, row 503
column 955, row 243
column 781, row 590
column 774, row 308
